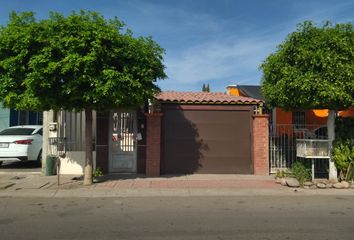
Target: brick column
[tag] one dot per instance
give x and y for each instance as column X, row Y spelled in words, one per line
column 153, row 144
column 261, row 144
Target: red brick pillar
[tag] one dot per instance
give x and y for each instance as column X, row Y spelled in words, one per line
column 153, row 144
column 261, row 144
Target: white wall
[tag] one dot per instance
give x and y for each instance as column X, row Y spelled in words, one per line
column 71, row 126
column 74, row 163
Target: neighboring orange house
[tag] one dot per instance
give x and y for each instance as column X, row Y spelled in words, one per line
column 279, row 116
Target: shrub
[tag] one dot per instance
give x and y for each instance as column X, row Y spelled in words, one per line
column 97, row 173
column 300, row 171
column 343, row 157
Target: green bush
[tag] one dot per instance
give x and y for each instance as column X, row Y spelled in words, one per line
column 97, row 173
column 300, row 171
column 280, row 174
column 343, row 157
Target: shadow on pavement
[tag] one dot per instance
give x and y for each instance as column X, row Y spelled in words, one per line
column 20, row 166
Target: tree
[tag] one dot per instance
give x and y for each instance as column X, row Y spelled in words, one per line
column 205, row 88
column 79, row 62
column 312, row 68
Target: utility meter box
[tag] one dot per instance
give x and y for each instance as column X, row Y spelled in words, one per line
column 53, row 126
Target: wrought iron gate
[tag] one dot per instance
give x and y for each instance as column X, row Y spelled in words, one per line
column 282, row 146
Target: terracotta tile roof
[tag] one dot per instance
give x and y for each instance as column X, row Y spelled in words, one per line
column 204, row 97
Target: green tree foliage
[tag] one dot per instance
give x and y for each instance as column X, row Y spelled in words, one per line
column 206, row 88
column 74, row 62
column 312, row 68
column 79, row 62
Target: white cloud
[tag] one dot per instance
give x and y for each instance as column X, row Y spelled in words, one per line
column 236, row 57
column 225, row 59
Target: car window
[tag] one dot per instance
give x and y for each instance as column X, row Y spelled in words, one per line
column 17, row 131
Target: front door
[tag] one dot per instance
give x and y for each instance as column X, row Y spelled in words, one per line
column 123, row 149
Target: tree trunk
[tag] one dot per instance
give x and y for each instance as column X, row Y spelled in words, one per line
column 88, row 148
column 331, row 136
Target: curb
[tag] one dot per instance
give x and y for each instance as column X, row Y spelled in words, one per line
column 197, row 192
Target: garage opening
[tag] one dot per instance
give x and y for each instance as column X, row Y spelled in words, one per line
column 209, row 140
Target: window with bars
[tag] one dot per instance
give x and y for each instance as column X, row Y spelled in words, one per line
column 23, row 118
column 298, row 119
column 40, row 118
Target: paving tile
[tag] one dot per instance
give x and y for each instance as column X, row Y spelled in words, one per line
column 141, row 184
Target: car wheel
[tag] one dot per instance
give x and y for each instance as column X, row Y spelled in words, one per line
column 1, row 163
column 39, row 158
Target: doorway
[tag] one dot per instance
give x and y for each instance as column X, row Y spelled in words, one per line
column 122, row 146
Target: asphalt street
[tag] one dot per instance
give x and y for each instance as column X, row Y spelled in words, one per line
column 238, row 217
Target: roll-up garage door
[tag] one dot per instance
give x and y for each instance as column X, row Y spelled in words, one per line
column 206, row 141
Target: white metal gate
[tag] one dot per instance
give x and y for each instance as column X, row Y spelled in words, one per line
column 123, row 151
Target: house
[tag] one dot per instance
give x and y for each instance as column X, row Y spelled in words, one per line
column 312, row 118
column 182, row 133
column 286, row 126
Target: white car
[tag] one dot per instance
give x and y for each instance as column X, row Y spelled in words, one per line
column 21, row 143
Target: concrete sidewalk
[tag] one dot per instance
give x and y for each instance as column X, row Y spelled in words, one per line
column 128, row 185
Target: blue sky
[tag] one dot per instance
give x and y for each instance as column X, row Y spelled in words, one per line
column 219, row 42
